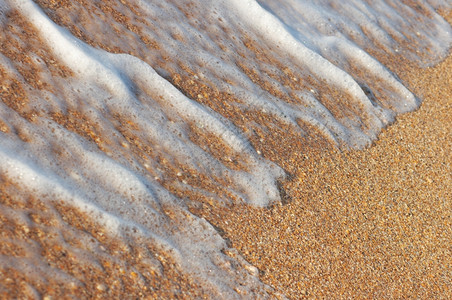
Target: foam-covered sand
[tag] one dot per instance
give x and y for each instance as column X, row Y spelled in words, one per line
column 141, row 144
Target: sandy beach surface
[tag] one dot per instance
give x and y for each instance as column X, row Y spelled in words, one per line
column 360, row 224
column 364, row 224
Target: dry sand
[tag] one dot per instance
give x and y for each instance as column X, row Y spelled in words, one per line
column 375, row 223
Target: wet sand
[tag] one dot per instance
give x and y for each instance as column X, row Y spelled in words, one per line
column 375, row 223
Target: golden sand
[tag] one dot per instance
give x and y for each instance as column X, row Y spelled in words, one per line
column 375, row 223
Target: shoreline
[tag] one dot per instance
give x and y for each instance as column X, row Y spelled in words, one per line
column 368, row 223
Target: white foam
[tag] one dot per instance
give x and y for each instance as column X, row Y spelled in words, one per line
column 115, row 190
column 316, row 35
